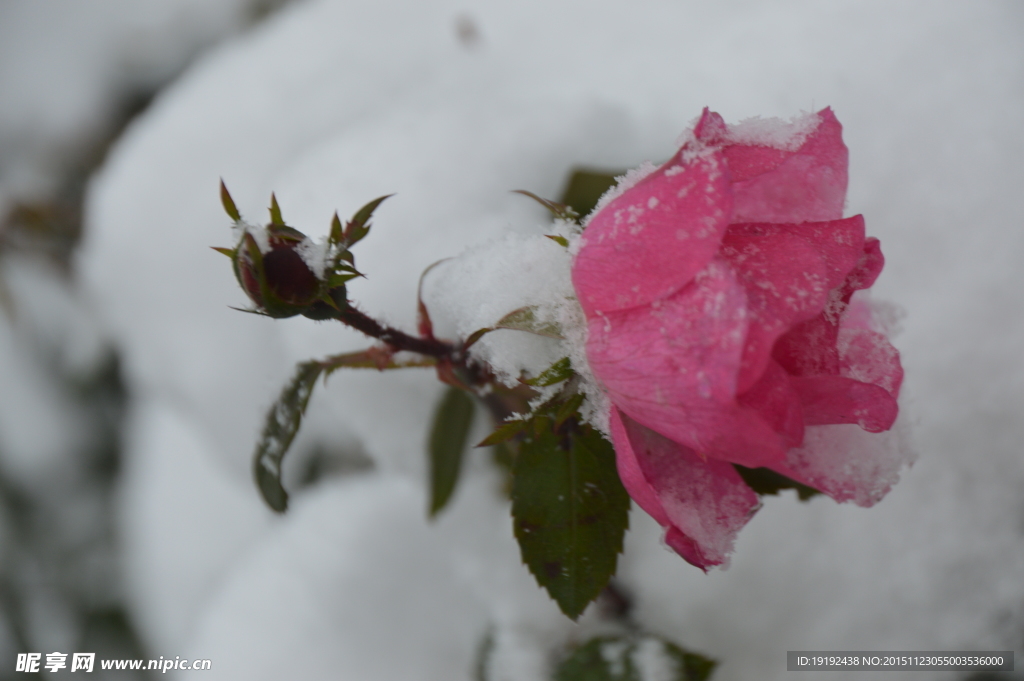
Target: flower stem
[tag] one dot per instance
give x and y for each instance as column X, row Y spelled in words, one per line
column 395, row 339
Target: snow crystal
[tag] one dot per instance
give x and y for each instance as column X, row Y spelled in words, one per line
column 623, row 183
column 476, row 289
column 314, row 254
column 851, row 464
column 773, row 132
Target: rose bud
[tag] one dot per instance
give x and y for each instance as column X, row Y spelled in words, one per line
column 280, row 277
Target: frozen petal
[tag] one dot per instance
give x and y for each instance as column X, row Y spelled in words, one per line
column 867, row 269
column 632, row 477
column 705, row 502
column 809, row 348
column 786, row 282
column 867, row 356
column 672, row 366
column 777, row 185
column 838, row 399
column 840, row 243
column 847, row 463
column 653, row 239
column 711, row 128
column 775, row 401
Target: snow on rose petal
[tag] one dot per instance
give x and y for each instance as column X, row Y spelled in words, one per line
column 703, row 502
column 673, row 366
column 775, row 182
column 746, row 347
column 654, row 238
column 786, row 281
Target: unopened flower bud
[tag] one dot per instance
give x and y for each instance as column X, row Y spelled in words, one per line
column 280, row 275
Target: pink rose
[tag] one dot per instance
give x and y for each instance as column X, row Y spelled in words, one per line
column 717, row 291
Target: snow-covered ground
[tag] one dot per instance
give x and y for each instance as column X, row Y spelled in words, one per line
column 330, row 104
column 70, row 75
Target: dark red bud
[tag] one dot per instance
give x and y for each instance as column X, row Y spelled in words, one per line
column 279, row 281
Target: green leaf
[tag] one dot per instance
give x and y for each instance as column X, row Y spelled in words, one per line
column 586, row 187
column 569, row 512
column 504, row 433
column 283, row 421
column 629, row 658
column 525, row 319
column 766, row 481
column 556, row 373
column 568, row 409
column 560, row 211
column 228, row 203
column 357, row 227
column 452, row 420
column 336, row 232
column 560, row 240
column 275, row 211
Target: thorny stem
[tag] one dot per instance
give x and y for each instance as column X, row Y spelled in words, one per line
column 395, row 339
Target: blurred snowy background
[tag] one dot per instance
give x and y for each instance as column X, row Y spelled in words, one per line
column 130, row 395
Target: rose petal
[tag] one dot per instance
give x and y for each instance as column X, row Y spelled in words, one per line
column 654, row 238
column 786, row 282
column 847, row 463
column 672, row 366
column 775, row 401
column 867, row 269
column 867, row 356
column 809, row 184
column 838, row 399
column 629, row 471
column 840, row 243
column 809, row 348
column 711, row 127
column 705, row 502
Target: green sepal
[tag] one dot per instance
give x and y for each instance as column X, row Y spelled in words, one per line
column 275, row 211
column 271, row 304
column 336, row 231
column 626, row 658
column 230, row 252
column 244, row 309
column 570, row 511
column 765, row 481
column 228, row 203
column 452, row 421
column 558, row 210
column 560, row 240
column 357, row 227
column 340, row 279
column 279, row 429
